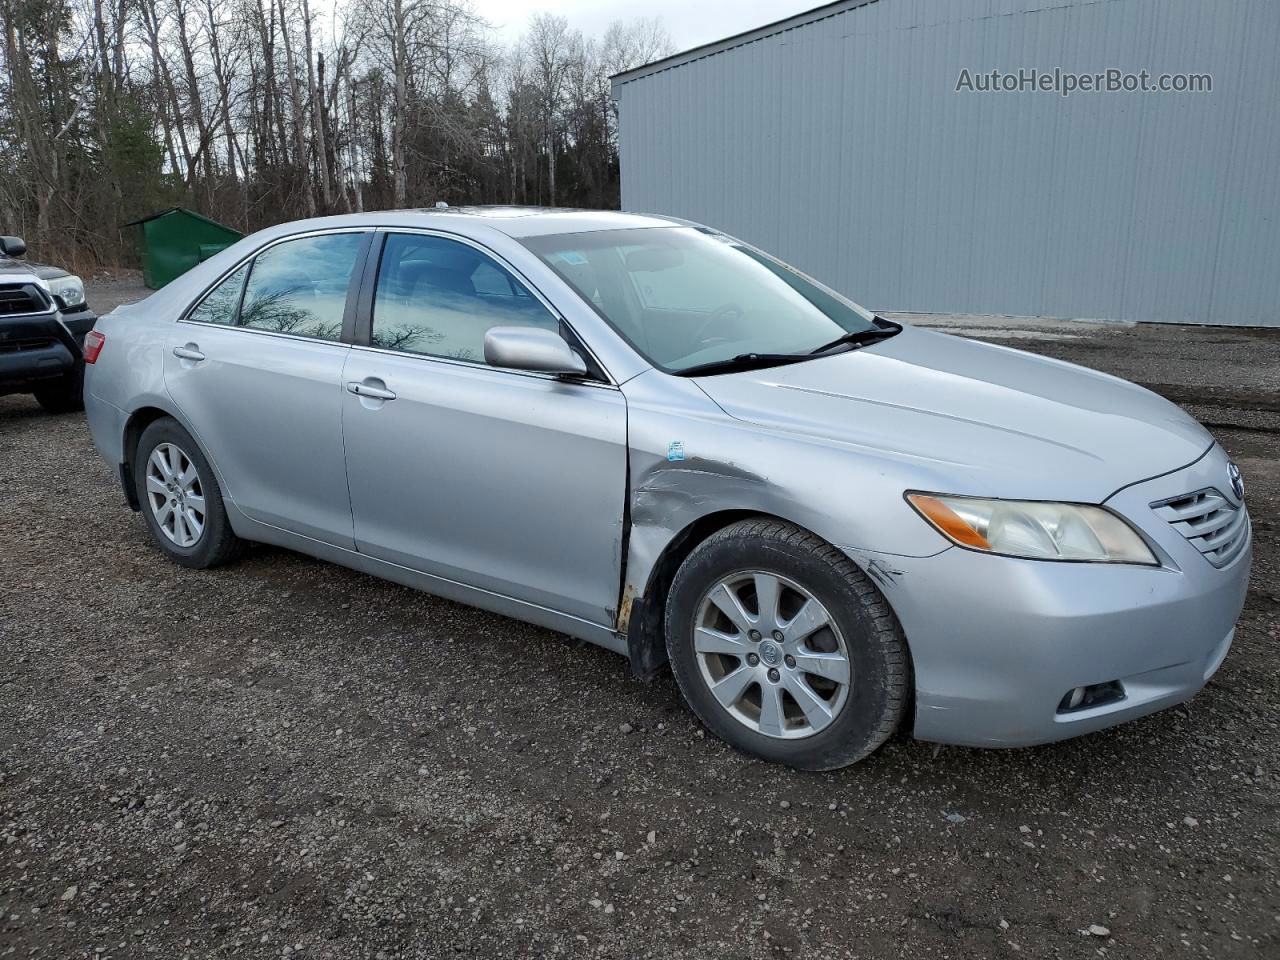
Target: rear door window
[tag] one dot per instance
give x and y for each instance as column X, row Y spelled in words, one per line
column 300, row 286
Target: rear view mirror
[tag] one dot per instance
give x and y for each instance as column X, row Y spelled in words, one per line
column 531, row 348
column 653, row 259
column 12, row 246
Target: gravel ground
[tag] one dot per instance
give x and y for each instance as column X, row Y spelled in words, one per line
column 109, row 289
column 285, row 758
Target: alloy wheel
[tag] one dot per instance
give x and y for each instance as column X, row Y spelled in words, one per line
column 771, row 655
column 175, row 495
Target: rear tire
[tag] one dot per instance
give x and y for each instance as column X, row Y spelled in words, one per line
column 817, row 676
column 64, row 395
column 180, row 499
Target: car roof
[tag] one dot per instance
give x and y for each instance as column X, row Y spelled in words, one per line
column 537, row 221
column 516, row 222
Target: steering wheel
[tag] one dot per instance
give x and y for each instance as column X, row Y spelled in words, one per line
column 722, row 314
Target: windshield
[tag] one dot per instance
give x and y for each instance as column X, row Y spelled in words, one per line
column 686, row 297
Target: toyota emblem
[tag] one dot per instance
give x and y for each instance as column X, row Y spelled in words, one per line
column 1237, row 481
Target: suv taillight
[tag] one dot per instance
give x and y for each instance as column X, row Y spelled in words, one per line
column 93, row 342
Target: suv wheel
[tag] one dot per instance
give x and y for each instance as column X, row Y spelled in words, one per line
column 64, row 395
column 180, row 499
column 785, row 648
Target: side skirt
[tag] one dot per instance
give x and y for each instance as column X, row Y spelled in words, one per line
column 260, row 532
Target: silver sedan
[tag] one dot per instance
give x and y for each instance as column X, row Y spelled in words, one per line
column 647, row 434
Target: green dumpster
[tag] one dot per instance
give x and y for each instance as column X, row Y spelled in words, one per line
column 175, row 240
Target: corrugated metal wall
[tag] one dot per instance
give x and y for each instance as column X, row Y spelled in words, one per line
column 842, row 146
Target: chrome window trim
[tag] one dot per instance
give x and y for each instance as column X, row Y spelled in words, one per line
column 247, row 259
column 479, row 365
column 268, row 333
column 515, row 272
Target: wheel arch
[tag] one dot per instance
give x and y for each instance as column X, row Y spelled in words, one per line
column 643, row 614
column 141, row 417
column 643, row 607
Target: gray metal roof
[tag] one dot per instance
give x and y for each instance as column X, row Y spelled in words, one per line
column 840, row 141
column 739, row 39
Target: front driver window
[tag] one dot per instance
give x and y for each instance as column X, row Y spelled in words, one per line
column 300, row 286
column 439, row 297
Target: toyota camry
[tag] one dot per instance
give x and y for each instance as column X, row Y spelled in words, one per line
column 645, row 433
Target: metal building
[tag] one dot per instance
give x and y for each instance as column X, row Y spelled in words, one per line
column 838, row 140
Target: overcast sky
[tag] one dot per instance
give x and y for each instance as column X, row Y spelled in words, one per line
column 690, row 22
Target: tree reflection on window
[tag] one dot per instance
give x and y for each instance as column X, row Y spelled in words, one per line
column 440, row 297
column 404, row 336
column 300, row 286
column 220, row 305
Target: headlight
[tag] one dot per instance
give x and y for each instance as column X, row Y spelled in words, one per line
column 69, row 289
column 1034, row 530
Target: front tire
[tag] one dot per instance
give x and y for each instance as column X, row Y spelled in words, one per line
column 181, row 502
column 784, row 648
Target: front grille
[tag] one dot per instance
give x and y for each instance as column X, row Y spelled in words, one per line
column 27, row 343
column 17, row 298
column 1214, row 525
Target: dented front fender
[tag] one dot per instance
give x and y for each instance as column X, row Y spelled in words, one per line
column 689, row 460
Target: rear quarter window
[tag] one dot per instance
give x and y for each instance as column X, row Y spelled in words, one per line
column 222, row 302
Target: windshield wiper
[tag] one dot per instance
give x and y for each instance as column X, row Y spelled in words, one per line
column 756, row 361
column 858, row 338
column 743, row 361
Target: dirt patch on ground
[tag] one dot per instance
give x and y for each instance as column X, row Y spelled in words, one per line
column 287, row 758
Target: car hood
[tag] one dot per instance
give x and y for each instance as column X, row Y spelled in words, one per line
column 10, row 266
column 973, row 418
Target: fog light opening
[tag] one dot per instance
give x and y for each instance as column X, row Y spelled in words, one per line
column 1094, row 695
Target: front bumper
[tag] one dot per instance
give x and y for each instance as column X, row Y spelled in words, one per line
column 36, row 348
column 997, row 643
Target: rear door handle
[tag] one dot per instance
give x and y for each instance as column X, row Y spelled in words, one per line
column 189, row 352
column 370, row 388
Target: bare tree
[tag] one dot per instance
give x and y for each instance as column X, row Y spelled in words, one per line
column 551, row 46
column 256, row 111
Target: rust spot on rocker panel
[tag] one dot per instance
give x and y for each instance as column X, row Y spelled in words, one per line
column 624, row 611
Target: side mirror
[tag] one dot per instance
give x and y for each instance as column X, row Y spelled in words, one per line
column 531, row 348
column 12, row 246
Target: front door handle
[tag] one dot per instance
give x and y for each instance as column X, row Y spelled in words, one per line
column 370, row 387
column 189, row 352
